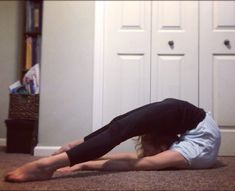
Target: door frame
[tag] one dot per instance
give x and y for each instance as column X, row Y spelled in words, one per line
column 98, row 65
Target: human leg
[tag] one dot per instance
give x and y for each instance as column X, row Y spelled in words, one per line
column 98, row 131
column 143, row 120
column 72, row 144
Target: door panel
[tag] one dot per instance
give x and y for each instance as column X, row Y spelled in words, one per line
column 174, row 50
column 127, row 57
column 132, row 15
column 217, row 67
column 223, row 93
column 224, row 20
column 127, row 83
column 171, row 21
column 169, row 75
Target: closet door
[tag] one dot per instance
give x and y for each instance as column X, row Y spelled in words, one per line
column 126, row 73
column 174, row 60
column 217, row 67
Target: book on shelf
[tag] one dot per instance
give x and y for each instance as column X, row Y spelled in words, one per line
column 36, row 17
column 28, row 17
column 33, row 16
column 28, row 56
column 36, row 50
column 33, row 51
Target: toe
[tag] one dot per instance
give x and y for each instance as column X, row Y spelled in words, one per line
column 9, row 173
column 12, row 177
column 6, row 178
column 9, row 178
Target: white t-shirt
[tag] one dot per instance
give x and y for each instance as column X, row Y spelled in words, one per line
column 200, row 146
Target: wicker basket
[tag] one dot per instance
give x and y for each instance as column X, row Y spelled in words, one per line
column 23, row 106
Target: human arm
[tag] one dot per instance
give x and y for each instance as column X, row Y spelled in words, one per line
column 119, row 156
column 163, row 160
column 166, row 159
column 100, row 161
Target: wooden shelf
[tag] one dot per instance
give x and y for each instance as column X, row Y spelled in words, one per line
column 33, row 34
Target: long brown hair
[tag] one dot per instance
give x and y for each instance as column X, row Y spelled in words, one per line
column 157, row 141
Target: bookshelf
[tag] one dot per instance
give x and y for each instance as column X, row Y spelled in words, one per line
column 22, row 122
column 32, row 33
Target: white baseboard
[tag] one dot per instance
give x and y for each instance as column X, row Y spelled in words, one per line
column 44, row 150
column 3, row 142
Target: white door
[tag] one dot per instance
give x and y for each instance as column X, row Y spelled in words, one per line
column 217, row 67
column 150, row 52
column 140, row 68
column 126, row 71
column 174, row 50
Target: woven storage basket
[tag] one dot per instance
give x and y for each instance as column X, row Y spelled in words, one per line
column 23, row 106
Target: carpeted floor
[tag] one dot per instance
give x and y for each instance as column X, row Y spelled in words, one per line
column 221, row 177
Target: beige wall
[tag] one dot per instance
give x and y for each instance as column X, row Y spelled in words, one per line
column 66, row 71
column 10, row 47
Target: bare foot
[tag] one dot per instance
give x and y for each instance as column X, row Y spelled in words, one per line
column 37, row 170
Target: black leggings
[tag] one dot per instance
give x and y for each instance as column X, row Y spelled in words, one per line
column 149, row 118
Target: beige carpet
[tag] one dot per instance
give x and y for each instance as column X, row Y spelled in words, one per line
column 222, row 177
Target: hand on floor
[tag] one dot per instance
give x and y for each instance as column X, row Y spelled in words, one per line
column 74, row 168
column 67, row 147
